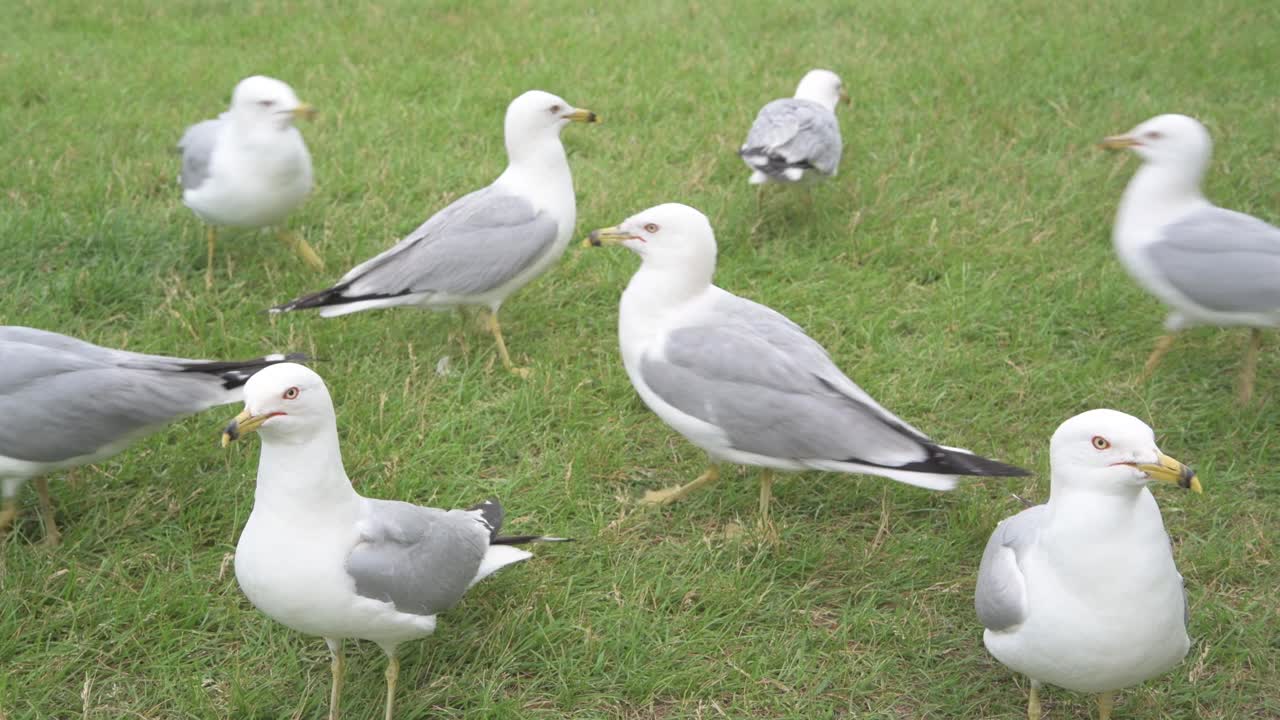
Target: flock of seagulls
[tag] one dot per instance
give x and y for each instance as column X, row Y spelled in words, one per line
column 1081, row 592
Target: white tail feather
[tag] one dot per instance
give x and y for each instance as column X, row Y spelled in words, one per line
column 498, row 557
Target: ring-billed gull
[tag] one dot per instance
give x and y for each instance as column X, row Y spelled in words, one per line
column 249, row 167
column 321, row 559
column 1082, row 592
column 66, row 402
column 798, row 137
column 745, row 383
column 1210, row 265
column 487, row 244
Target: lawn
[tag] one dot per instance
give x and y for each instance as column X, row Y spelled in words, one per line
column 959, row 268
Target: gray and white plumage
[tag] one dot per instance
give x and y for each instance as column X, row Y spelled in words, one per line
column 746, row 384
column 196, row 146
column 1209, row 265
column 1083, row 592
column 798, row 138
column 249, row 167
column 321, row 559
column 470, row 252
column 398, row 559
column 1001, row 594
column 67, row 402
column 1221, row 260
column 486, row 245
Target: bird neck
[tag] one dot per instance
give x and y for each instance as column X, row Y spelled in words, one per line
column 1115, row 540
column 534, row 164
column 1158, row 194
column 1093, row 513
column 663, row 282
column 825, row 99
column 303, row 475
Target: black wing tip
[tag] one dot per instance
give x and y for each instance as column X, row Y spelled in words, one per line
column 330, row 297
column 491, row 514
column 526, row 539
column 235, row 373
column 774, row 164
column 945, row 461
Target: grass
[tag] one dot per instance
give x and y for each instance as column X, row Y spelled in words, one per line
column 959, row 268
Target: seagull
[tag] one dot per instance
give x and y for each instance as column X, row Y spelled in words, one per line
column 321, row 559
column 1082, row 592
column 66, row 402
column 797, row 138
column 487, row 244
column 249, row 167
column 746, row 384
column 1210, row 265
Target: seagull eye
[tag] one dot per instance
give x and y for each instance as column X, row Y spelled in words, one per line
column 291, row 393
column 1100, row 442
column 651, row 227
column 266, row 103
column 555, row 109
column 1153, row 135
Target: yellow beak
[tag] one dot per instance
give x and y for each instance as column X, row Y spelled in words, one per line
column 1118, row 142
column 607, row 236
column 243, row 424
column 583, row 115
column 305, row 111
column 1166, row 469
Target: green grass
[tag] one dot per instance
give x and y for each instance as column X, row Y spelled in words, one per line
column 959, row 268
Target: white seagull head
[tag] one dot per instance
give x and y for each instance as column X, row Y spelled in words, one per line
column 673, row 237
column 284, row 403
column 260, row 100
column 1110, row 452
column 1175, row 142
column 823, row 87
column 536, row 117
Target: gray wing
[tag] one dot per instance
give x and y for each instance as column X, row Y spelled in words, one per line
column 196, row 147
column 795, row 133
column 774, row 390
column 1001, row 594
column 1222, row 260
column 63, row 398
column 477, row 244
column 420, row 559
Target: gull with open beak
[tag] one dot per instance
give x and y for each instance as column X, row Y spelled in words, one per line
column 1082, row 592
column 1209, row 265
column 319, row 558
column 487, row 244
column 249, row 167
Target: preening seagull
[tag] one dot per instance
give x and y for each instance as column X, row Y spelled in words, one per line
column 321, row 559
column 486, row 245
column 1082, row 592
column 66, row 402
column 249, row 168
column 1210, row 265
column 745, row 383
column 797, row 138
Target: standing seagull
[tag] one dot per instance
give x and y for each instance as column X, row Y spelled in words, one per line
column 487, row 244
column 66, row 402
column 745, row 383
column 323, row 560
column 797, row 138
column 1210, row 265
column 1082, row 592
column 249, row 168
